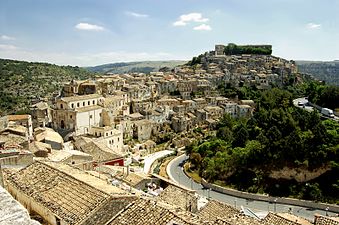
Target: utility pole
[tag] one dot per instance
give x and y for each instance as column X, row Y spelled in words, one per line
column 1, row 177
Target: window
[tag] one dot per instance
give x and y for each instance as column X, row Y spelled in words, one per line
column 71, row 116
column 89, row 103
column 118, row 139
column 72, row 106
column 93, row 102
column 90, row 116
column 111, row 132
column 61, row 106
column 83, row 104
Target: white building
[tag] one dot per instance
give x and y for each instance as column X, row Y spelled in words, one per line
column 78, row 113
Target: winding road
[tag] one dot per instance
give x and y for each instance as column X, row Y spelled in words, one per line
column 176, row 173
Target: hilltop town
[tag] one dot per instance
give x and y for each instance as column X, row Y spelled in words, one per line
column 96, row 152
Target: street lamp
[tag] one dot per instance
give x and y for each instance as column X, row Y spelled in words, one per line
column 178, row 177
column 275, row 205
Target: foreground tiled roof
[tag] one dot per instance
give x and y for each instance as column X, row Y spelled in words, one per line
column 100, row 152
column 275, row 219
column 239, row 219
column 108, row 210
column 214, row 210
column 65, row 196
column 326, row 220
column 144, row 211
column 178, row 197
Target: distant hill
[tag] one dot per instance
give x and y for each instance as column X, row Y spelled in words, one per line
column 21, row 82
column 326, row 71
column 128, row 67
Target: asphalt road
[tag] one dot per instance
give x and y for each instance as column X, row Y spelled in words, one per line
column 303, row 104
column 176, row 174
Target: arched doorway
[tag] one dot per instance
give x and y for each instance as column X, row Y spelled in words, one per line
column 62, row 124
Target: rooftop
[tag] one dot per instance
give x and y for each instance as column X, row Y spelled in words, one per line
column 214, row 210
column 80, row 97
column 69, row 198
column 88, row 108
column 144, row 211
column 133, row 179
column 87, row 178
column 100, row 152
column 60, row 155
column 18, row 117
column 276, row 219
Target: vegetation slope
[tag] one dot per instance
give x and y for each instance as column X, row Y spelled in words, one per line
column 21, row 82
column 244, row 153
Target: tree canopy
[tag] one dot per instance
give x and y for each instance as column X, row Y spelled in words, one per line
column 233, row 49
column 244, row 152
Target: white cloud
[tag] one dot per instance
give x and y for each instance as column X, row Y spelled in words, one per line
column 313, row 26
column 7, row 38
column 202, row 27
column 136, row 15
column 191, row 17
column 8, row 47
column 179, row 23
column 88, row 26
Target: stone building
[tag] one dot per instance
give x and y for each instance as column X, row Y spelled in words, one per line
column 72, row 157
column 15, row 157
column 49, row 136
column 244, row 110
column 41, row 114
column 142, row 129
column 100, row 152
column 87, row 88
column 71, row 88
column 78, row 113
column 109, row 136
column 219, row 50
column 23, row 120
column 182, row 198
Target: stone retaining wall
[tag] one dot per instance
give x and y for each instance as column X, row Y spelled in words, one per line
column 266, row 198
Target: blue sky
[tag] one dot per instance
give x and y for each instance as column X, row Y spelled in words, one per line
column 92, row 32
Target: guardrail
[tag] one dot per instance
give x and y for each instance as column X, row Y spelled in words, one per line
column 266, row 198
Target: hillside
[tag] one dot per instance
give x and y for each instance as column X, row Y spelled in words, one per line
column 22, row 82
column 142, row 66
column 282, row 150
column 326, row 71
